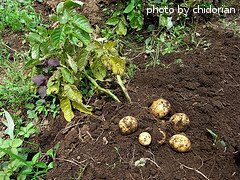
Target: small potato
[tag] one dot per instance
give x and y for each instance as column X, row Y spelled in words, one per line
column 161, row 140
column 128, row 125
column 180, row 143
column 145, row 139
column 180, row 122
column 160, row 108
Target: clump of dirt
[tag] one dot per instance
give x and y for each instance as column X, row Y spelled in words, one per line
column 205, row 87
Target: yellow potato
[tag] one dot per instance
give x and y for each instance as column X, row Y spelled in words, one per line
column 145, row 139
column 128, row 125
column 180, row 122
column 180, row 143
column 160, row 108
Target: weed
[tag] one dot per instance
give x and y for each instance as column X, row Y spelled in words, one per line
column 215, row 138
column 15, row 88
column 16, row 163
column 18, row 16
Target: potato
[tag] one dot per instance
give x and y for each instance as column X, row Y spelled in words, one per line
column 180, row 122
column 160, row 108
column 162, row 138
column 180, row 143
column 128, row 125
column 145, row 139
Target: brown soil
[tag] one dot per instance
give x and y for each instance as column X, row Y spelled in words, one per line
column 206, row 87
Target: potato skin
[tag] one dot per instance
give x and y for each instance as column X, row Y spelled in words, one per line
column 128, row 125
column 180, row 143
column 180, row 122
column 145, row 139
column 163, row 136
column 160, row 108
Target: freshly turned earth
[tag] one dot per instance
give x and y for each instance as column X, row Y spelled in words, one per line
column 206, row 87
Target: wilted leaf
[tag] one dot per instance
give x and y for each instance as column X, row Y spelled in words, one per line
column 39, row 79
column 66, row 108
column 9, row 123
column 54, row 62
column 35, row 51
column 121, row 28
column 98, row 70
column 74, row 95
column 118, row 65
column 42, row 91
column 82, row 23
column 82, row 108
column 72, row 63
column 82, row 59
column 53, row 83
column 67, row 75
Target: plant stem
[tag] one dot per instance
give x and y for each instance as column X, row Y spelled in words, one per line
column 120, row 82
column 100, row 88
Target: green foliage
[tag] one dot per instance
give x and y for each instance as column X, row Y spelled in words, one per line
column 15, row 86
column 18, row 15
column 15, row 163
column 215, row 138
column 44, row 107
column 131, row 16
column 78, row 61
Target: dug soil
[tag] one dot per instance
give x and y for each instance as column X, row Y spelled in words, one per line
column 206, row 86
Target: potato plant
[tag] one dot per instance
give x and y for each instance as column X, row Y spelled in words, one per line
column 66, row 56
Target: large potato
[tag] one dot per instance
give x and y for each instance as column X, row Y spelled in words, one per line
column 160, row 108
column 180, row 143
column 128, row 125
column 145, row 139
column 180, row 122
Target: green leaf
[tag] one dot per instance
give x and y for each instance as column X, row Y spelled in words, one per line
column 129, row 8
column 34, row 37
column 51, row 165
column 16, row 143
column 98, row 69
column 35, row 51
column 69, row 4
column 32, row 62
column 67, row 75
column 75, row 96
column 83, row 36
column 82, row 59
column 113, row 21
column 58, row 37
column 66, row 107
column 36, row 157
column 60, row 7
column 121, row 29
column 42, row 31
column 41, row 165
column 82, row 23
column 117, row 64
column 63, row 19
column 72, row 63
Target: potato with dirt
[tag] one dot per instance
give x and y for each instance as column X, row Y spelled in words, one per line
column 160, row 108
column 180, row 122
column 128, row 125
column 180, row 143
column 145, row 139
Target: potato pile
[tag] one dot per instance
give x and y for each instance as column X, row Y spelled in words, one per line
column 178, row 121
